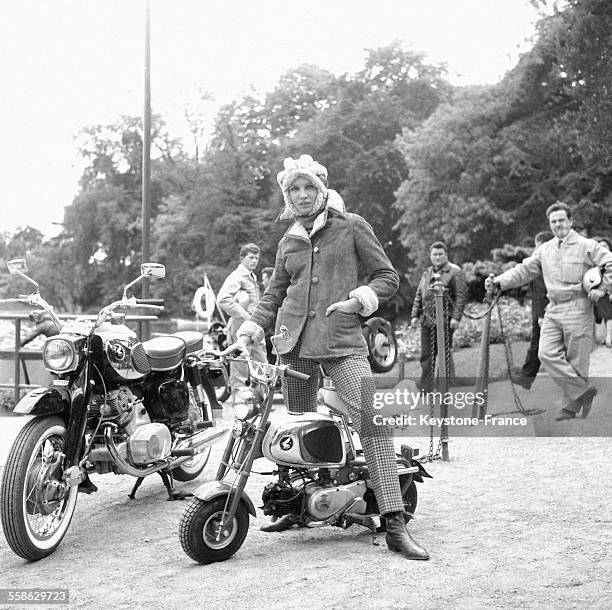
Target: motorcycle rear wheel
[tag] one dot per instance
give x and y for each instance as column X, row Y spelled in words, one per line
column 382, row 344
column 192, row 468
column 34, row 510
column 199, row 530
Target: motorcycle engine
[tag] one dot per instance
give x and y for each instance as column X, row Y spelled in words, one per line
column 115, row 406
column 279, row 500
column 149, row 443
column 319, row 501
column 167, row 400
column 323, row 502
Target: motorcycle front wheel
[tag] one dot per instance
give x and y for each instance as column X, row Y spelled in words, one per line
column 35, row 505
column 202, row 536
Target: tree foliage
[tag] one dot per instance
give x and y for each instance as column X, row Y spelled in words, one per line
column 419, row 159
column 484, row 167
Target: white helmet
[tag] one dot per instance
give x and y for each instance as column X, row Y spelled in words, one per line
column 591, row 279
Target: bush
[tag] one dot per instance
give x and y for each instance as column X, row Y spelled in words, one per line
column 6, row 401
column 516, row 322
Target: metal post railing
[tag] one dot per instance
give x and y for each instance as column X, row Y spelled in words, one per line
column 438, row 289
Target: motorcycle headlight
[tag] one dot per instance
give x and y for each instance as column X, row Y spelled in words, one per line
column 59, row 355
column 243, row 403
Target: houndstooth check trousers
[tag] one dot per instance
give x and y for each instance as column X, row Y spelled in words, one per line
column 352, row 378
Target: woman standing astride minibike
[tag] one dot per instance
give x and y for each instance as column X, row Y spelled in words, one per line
column 314, row 297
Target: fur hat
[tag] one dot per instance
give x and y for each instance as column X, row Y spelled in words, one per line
column 308, row 168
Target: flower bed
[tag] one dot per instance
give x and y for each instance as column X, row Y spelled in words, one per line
column 516, row 321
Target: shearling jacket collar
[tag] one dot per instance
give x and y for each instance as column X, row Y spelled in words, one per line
column 334, row 202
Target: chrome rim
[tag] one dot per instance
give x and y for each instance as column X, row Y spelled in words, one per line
column 46, row 499
column 215, row 536
column 383, row 348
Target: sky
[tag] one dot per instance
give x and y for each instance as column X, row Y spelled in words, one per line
column 68, row 64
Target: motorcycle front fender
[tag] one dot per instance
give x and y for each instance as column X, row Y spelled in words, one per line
column 43, row 401
column 214, row 489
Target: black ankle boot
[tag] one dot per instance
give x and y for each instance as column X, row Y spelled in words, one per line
column 280, row 525
column 400, row 541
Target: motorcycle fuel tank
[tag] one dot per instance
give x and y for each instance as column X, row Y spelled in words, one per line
column 124, row 355
column 308, row 440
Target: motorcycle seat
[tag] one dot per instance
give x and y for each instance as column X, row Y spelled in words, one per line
column 167, row 352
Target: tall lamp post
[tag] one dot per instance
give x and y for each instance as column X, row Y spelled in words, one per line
column 146, row 160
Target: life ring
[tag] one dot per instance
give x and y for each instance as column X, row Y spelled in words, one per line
column 196, row 305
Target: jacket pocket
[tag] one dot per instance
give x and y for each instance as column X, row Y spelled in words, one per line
column 344, row 331
column 572, row 270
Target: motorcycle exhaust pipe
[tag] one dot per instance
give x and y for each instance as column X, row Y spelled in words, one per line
column 196, row 441
column 127, row 468
column 186, row 448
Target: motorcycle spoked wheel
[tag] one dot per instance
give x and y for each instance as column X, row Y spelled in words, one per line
column 199, row 530
column 35, row 515
column 192, row 468
column 409, row 497
column 382, row 344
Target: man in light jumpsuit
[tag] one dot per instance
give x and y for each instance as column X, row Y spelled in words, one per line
column 567, row 330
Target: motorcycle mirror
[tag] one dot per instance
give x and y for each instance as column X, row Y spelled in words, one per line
column 153, row 270
column 17, row 265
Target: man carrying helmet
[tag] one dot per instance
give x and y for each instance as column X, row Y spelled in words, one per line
column 567, row 330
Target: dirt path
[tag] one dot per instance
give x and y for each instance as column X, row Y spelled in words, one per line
column 509, row 522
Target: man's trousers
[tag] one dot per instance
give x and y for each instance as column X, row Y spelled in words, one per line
column 566, row 341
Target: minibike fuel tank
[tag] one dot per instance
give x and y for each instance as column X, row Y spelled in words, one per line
column 308, row 440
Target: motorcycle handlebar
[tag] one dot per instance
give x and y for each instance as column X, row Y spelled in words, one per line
column 296, row 375
column 158, row 302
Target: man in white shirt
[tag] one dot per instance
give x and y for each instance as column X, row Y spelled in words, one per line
column 238, row 297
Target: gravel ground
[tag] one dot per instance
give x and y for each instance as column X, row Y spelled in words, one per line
column 510, row 522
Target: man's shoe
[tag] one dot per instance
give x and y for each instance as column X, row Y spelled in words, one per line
column 280, row 525
column 565, row 414
column 399, row 540
column 586, row 401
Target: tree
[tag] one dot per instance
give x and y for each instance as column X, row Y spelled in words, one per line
column 483, row 168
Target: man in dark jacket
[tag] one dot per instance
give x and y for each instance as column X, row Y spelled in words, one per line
column 455, row 298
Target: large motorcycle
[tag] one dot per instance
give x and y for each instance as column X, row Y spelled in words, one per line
column 115, row 405
column 321, row 474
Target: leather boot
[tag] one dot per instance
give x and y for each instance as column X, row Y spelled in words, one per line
column 280, row 525
column 400, row 541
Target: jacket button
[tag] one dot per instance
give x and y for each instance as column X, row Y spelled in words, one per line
column 311, row 313
column 314, row 280
column 315, row 249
